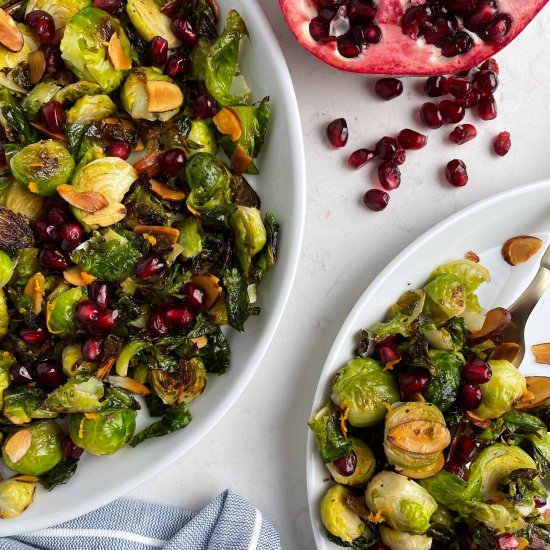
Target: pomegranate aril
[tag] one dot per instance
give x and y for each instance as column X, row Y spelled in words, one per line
column 45, row 230
column 158, row 50
column 462, row 6
column 204, row 106
column 34, row 336
column 506, row 541
column 57, row 216
column 456, row 173
column 110, row 6
column 464, row 448
column 53, row 260
column 318, row 28
column 42, row 23
column 195, row 296
column 389, row 354
column 480, row 16
column 346, row 465
column 347, row 47
column 489, row 65
column 487, row 107
column 410, row 139
column 360, row 157
column 87, row 312
column 172, row 161
column 502, row 143
column 457, row 44
column 389, row 175
column 53, row 116
column 101, row 293
column 149, row 265
column 430, row 115
column 93, row 349
column 469, row 397
column 386, row 148
column 388, row 88
column 71, row 450
column 470, row 99
column 22, row 375
column 337, row 132
column 440, row 29
column 400, row 156
column 157, row 323
column 376, row 200
column 477, row 372
column 486, row 81
column 177, row 65
column 458, row 86
column 54, row 62
column 455, row 468
column 327, row 14
column 184, row 31
column 414, row 380
column 72, row 235
column 180, row 316
column 366, row 33
column 435, row 86
column 463, row 133
column 120, row 148
column 55, row 202
column 414, row 19
column 361, row 10
column 451, row 111
column 49, row 374
column 497, row 29
column 106, row 322
column 539, row 501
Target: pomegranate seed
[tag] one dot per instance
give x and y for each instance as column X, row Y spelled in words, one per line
column 360, row 158
column 149, row 265
column 42, row 23
column 45, row 231
column 435, row 86
column 487, row 108
column 414, row 380
column 361, row 10
column 480, row 16
column 462, row 6
column 157, row 323
column 204, row 107
column 88, row 312
column 54, row 62
column 457, row 44
column 366, row 34
column 490, row 65
column 469, row 397
column 464, row 448
column 477, row 372
column 318, row 28
column 195, row 296
column 49, row 374
column 53, row 260
column 53, row 116
column 70, row 450
column 3, row 162
column 414, row 20
column 57, row 216
column 455, row 468
column 337, row 132
column 440, row 29
column 101, row 294
column 389, row 354
column 502, row 143
column 346, row 465
column 106, row 322
column 55, row 202
column 180, row 316
column 386, row 148
column 486, row 82
column 463, row 133
column 389, row 175
column 400, row 156
column 72, row 235
column 539, row 501
column 93, row 349
column 22, row 375
column 110, row 6
column 456, row 173
column 410, row 139
column 347, row 47
column 177, row 65
column 388, row 88
column 184, row 31
column 34, row 336
column 376, row 200
column 430, row 115
column 506, row 541
column 158, row 50
column 451, row 112
column 172, row 161
column 470, row 99
column 119, row 148
column 459, row 86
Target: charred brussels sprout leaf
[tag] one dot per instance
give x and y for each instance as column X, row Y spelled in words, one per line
column 21, row 404
column 202, row 137
column 190, row 237
column 216, row 355
column 78, row 394
column 175, row 418
column 15, row 233
column 60, row 474
column 446, row 378
column 201, row 15
column 143, row 208
column 236, row 299
column 155, row 405
column 266, row 259
column 250, row 236
column 325, row 425
column 182, row 385
column 13, row 121
column 243, row 193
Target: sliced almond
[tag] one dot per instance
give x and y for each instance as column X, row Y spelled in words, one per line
column 227, row 121
column 476, row 420
column 193, row 211
column 472, row 256
column 76, row 277
column 537, row 393
column 214, row 8
column 170, row 233
column 518, row 250
column 149, row 164
column 11, row 36
column 89, row 201
column 428, row 471
column 104, row 370
column 44, row 130
column 58, row 35
column 129, row 384
column 35, row 289
column 211, row 286
column 18, row 444
column 542, row 353
column 420, row 436
column 507, row 351
column 117, row 55
column 166, row 193
column 109, row 215
column 139, row 146
column 26, row 479
column 200, row 341
column 240, row 160
column 496, row 321
column 37, row 66
column 163, row 96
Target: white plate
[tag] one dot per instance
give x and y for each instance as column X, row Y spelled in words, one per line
column 281, row 186
column 482, row 228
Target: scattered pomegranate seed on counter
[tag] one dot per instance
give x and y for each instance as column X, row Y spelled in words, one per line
column 456, row 173
column 376, row 200
column 388, row 88
column 410, row 139
column 389, row 175
column 360, row 157
column 463, row 133
column 337, row 132
column 502, row 143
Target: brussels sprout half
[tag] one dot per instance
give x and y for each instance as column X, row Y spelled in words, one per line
column 366, row 463
column 399, row 540
column 202, row 138
column 60, row 10
column 149, row 21
column 40, row 94
column 16, row 495
column 61, row 311
column 181, row 386
column 250, row 235
column 9, row 59
column 79, row 394
column 91, row 108
column 6, row 268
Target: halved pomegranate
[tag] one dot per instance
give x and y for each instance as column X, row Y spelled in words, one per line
column 407, row 37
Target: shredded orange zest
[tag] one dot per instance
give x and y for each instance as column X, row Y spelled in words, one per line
column 150, row 238
column 49, row 309
column 33, row 188
column 390, row 364
column 27, row 479
column 87, row 278
column 91, row 416
column 81, row 429
column 378, row 517
column 105, row 369
column 36, row 164
column 343, row 425
column 523, row 543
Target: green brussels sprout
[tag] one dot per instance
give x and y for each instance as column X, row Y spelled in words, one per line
column 202, row 135
column 366, row 463
column 73, row 364
column 505, row 388
column 7, row 360
column 143, row 208
column 16, row 495
column 9, row 59
column 91, row 108
column 44, row 452
column 363, row 388
column 76, row 90
column 14, row 123
column 23, row 404
column 79, row 394
column 103, row 433
column 338, row 518
column 126, row 354
column 135, row 98
column 190, row 237
column 149, row 21
column 182, row 385
column 60, row 10
column 446, row 378
column 325, row 425
column 40, row 94
column 41, row 167
column 61, row 311
column 6, row 268
column 84, row 47
column 250, row 235
column 4, row 315
column 399, row 540
column 21, row 201
column 445, row 298
column 406, row 505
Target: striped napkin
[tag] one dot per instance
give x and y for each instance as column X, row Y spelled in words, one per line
column 227, row 523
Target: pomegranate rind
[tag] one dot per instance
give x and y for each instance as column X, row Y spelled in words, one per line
column 397, row 54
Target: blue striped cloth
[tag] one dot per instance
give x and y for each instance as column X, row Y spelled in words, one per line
column 227, row 523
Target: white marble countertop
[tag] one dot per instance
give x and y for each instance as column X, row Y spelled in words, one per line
column 259, row 448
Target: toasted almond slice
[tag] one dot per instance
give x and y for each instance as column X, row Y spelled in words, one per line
column 11, row 36
column 26, row 479
column 104, row 370
column 149, row 164
column 162, row 96
column 37, row 66
column 428, row 471
column 139, row 146
column 496, row 321
column 542, row 353
column 200, row 342
column 89, row 201
column 117, row 55
column 129, row 384
column 170, row 233
column 76, row 277
column 227, row 121
column 214, row 8
column 476, row 420
column 110, row 214
column 44, row 130
column 507, row 351
column 211, row 286
column 35, row 289
column 420, row 436
column 537, row 393
column 58, row 35
column 518, row 250
column 472, row 256
column 166, row 193
column 240, row 160
column 193, row 211
column 18, row 444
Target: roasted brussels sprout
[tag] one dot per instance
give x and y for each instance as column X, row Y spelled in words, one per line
column 400, row 540
column 250, row 235
column 6, row 361
column 15, row 233
column 6, row 268
column 16, row 495
column 446, row 378
column 21, row 201
column 61, row 311
column 26, row 266
column 202, row 138
column 325, row 425
column 445, row 298
column 4, row 315
column 149, row 21
column 41, row 167
column 61, row 11
column 22, row 404
column 363, row 388
column 143, row 208
column 43, row 453
column 85, row 47
column 182, row 385
column 73, row 363
column 79, row 394
column 9, row 59
column 364, row 469
column 40, row 94
column 190, row 237
column 91, row 108
column 14, row 123
column 405, row 505
column 72, row 92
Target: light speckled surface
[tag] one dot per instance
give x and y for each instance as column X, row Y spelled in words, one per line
column 258, row 449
